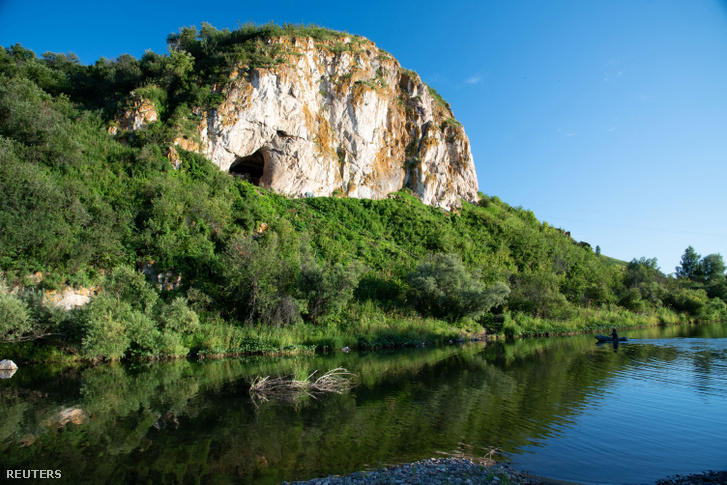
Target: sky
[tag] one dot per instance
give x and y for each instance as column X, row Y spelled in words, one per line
column 607, row 118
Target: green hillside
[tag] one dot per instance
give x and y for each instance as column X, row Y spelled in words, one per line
column 246, row 270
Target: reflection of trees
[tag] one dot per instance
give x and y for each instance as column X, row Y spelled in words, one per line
column 182, row 421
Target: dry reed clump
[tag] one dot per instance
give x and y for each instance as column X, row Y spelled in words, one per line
column 289, row 389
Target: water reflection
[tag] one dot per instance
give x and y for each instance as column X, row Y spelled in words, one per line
column 542, row 402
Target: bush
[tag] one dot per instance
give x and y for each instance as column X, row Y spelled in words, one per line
column 715, row 309
column 105, row 328
column 328, row 289
column 171, row 344
column 177, row 317
column 688, row 301
column 260, row 280
column 443, row 287
column 538, row 295
column 131, row 287
column 631, row 300
column 15, row 321
column 511, row 329
column 144, row 337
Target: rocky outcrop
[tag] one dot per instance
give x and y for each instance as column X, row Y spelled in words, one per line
column 339, row 117
column 70, row 298
column 336, row 117
column 141, row 111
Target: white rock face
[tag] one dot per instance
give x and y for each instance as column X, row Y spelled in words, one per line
column 340, row 121
column 70, row 298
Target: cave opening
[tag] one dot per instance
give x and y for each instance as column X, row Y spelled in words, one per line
column 249, row 168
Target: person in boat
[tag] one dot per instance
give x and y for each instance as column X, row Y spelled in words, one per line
column 614, row 334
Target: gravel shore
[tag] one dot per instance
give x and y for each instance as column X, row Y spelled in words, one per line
column 453, row 471
column 462, row 471
column 699, row 478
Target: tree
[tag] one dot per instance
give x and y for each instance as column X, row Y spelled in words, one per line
column 689, row 267
column 712, row 268
column 640, row 271
column 444, row 288
column 259, row 280
column 328, row 289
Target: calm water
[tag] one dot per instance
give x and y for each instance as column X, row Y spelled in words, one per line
column 563, row 408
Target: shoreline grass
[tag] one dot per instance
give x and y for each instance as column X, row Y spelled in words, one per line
column 363, row 335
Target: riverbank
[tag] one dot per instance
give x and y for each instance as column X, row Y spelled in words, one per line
column 696, row 478
column 454, row 471
column 464, row 471
column 229, row 341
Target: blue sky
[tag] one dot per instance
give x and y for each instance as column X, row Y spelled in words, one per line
column 607, row 118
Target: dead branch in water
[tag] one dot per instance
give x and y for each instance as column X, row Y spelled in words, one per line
column 289, row 389
column 337, row 380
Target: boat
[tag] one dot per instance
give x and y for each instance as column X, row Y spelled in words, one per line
column 608, row 338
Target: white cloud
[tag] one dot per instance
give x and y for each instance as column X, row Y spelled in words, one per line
column 473, row 79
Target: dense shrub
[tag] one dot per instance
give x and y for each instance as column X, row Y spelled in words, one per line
column 260, row 280
column 144, row 337
column 130, row 286
column 329, row 289
column 105, row 323
column 443, row 287
column 15, row 321
column 688, row 301
column 177, row 318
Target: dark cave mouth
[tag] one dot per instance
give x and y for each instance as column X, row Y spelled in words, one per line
column 249, row 168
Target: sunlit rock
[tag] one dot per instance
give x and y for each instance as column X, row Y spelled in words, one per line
column 339, row 120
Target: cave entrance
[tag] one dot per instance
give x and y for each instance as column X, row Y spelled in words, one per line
column 249, row 168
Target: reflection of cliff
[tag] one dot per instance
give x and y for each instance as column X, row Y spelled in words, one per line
column 186, row 421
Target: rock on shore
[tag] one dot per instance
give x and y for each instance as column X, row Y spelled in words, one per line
column 698, row 478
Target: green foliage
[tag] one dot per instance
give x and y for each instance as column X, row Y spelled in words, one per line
column 264, row 273
column 329, row 289
column 712, row 268
column 689, row 265
column 444, row 288
column 688, row 301
column 105, row 328
column 451, row 123
column 439, row 99
column 130, row 286
column 260, row 279
column 15, row 321
column 144, row 337
column 538, row 294
column 177, row 318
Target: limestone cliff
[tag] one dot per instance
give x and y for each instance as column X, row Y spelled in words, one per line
column 337, row 117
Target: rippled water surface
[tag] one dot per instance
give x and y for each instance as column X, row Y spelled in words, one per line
column 662, row 411
column 565, row 408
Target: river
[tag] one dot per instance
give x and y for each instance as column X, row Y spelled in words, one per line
column 562, row 407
